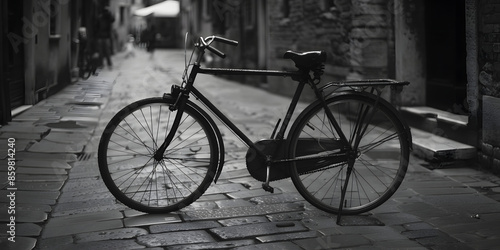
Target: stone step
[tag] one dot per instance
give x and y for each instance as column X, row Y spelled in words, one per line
column 435, row 148
column 442, row 123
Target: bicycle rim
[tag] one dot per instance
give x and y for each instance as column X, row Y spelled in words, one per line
column 381, row 160
column 137, row 180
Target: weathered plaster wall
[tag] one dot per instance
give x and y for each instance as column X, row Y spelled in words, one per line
column 410, row 50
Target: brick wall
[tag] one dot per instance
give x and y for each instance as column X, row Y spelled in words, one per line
column 356, row 34
column 489, row 79
column 489, row 42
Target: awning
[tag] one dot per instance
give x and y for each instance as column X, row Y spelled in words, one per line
column 168, row 8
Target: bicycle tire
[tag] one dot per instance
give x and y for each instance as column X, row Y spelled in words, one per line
column 127, row 146
column 380, row 164
column 86, row 69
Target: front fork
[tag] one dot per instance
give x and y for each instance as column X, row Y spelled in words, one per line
column 179, row 105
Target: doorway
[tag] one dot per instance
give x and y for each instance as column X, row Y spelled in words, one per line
column 14, row 55
column 12, row 83
column 446, row 55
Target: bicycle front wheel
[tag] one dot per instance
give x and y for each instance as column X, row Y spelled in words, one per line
column 380, row 160
column 131, row 173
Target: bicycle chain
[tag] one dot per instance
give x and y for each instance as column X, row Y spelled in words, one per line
column 313, row 171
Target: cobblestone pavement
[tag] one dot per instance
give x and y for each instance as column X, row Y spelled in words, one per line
column 61, row 202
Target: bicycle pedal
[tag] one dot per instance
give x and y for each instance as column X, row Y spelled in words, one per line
column 268, row 188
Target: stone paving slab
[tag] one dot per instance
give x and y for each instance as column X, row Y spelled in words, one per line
column 34, row 197
column 151, row 219
column 183, row 226
column 251, row 193
column 89, row 206
column 21, row 136
column 55, row 229
column 28, row 229
column 392, row 219
column 67, row 137
column 224, row 188
column 233, row 203
column 279, row 198
column 38, row 178
column 34, row 157
column 240, row 211
column 444, row 191
column 334, row 241
column 114, row 234
column 40, row 186
column 398, row 244
column 101, row 245
column 299, row 215
column 203, row 205
column 20, row 244
column 175, row 238
column 29, row 207
column 21, row 145
column 243, row 221
column 288, row 237
column 25, row 128
column 273, row 245
column 423, row 210
column 40, row 171
column 83, row 197
column 471, row 203
column 260, row 229
column 229, row 244
column 41, row 163
column 55, row 147
column 23, row 215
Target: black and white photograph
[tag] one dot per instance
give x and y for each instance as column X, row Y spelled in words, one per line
column 249, row 124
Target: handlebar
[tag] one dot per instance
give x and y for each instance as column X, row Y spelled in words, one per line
column 206, row 43
column 225, row 40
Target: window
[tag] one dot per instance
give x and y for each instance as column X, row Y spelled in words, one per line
column 285, row 8
column 207, row 9
column 54, row 9
column 249, row 13
column 326, row 5
column 122, row 15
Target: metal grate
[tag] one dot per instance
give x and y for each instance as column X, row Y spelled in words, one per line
column 84, row 156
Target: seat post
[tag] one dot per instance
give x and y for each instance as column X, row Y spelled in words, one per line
column 291, row 109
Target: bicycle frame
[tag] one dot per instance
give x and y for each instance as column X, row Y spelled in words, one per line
column 229, row 123
column 301, row 77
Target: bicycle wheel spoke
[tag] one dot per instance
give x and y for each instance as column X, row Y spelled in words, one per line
column 377, row 153
column 134, row 134
column 140, row 181
column 374, row 144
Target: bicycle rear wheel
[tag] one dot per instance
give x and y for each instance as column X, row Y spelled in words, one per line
column 381, row 159
column 135, row 178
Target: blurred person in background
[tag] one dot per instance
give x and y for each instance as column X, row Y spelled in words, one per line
column 104, row 31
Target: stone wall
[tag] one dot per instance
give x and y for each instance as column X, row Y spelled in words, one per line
column 489, row 79
column 356, row 34
column 489, row 41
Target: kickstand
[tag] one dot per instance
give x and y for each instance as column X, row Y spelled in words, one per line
column 344, row 189
column 266, row 185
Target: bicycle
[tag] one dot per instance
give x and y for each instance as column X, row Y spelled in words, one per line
column 88, row 64
column 346, row 153
column 88, row 60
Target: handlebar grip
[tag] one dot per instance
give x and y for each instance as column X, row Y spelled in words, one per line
column 216, row 51
column 225, row 40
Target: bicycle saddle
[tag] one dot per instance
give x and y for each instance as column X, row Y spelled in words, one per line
column 309, row 59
